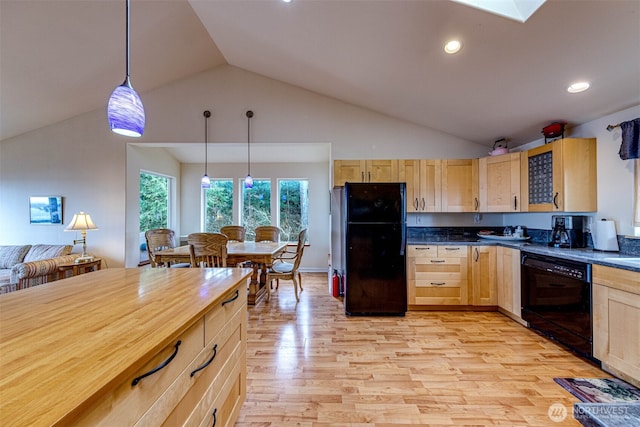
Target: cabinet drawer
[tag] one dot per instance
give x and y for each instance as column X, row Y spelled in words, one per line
column 422, row 251
column 229, row 385
column 127, row 403
column 454, row 293
column 228, row 345
column 455, row 251
column 234, row 301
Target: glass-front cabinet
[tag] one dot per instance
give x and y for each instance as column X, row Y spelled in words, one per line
column 560, row 176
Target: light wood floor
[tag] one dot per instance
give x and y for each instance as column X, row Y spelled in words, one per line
column 310, row 365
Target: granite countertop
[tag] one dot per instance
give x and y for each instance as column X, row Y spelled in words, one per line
column 607, row 414
column 588, row 255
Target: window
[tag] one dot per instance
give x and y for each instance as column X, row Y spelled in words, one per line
column 154, row 201
column 256, row 206
column 218, row 205
column 293, row 207
column 155, row 205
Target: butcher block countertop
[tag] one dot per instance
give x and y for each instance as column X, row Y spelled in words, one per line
column 65, row 343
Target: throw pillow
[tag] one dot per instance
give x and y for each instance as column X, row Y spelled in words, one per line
column 40, row 252
column 12, row 255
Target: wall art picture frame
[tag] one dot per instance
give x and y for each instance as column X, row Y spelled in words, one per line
column 45, row 210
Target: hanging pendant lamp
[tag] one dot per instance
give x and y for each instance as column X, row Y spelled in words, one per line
column 206, row 182
column 125, row 110
column 248, row 181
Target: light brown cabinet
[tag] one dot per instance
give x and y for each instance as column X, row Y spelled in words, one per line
column 560, row 176
column 483, row 276
column 616, row 321
column 508, row 281
column 437, row 275
column 460, row 185
column 499, row 183
column 364, row 171
column 424, row 184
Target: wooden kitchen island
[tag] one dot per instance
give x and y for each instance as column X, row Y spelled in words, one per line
column 86, row 350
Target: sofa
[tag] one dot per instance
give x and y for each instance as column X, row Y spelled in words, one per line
column 24, row 266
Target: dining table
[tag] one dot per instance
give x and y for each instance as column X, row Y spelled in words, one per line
column 260, row 254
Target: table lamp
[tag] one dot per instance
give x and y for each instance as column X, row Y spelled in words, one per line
column 82, row 222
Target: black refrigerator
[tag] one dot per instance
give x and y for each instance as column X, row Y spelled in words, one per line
column 374, row 250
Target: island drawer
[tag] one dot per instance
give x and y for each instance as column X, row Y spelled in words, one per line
column 233, row 301
column 225, row 347
column 127, row 403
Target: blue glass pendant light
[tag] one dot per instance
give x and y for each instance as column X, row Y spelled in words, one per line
column 205, row 182
column 125, row 110
column 248, row 181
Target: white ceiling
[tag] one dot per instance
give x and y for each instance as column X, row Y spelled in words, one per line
column 59, row 58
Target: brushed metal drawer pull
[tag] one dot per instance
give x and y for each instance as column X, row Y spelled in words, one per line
column 422, row 249
column 451, row 249
column 214, row 417
column 438, row 283
column 160, row 366
column 438, row 260
column 208, row 362
column 233, row 298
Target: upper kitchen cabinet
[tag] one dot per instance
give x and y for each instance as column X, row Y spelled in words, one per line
column 460, row 185
column 560, row 176
column 424, row 184
column 364, row 171
column 499, row 183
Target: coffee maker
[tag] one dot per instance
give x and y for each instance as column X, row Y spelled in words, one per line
column 568, row 231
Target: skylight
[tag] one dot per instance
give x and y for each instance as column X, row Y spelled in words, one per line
column 519, row 10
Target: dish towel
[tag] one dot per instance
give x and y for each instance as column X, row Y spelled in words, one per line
column 630, row 147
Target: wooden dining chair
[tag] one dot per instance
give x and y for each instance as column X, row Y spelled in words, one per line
column 158, row 239
column 286, row 267
column 267, row 233
column 208, row 249
column 235, row 233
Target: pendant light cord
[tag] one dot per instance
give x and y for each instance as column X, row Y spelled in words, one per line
column 249, row 115
column 206, row 114
column 128, row 3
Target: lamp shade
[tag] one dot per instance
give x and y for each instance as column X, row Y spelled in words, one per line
column 248, row 182
column 81, row 221
column 125, row 111
column 205, row 182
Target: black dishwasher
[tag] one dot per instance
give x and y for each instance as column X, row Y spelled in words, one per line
column 556, row 300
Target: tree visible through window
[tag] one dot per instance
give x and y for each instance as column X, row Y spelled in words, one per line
column 293, row 208
column 219, row 205
column 256, row 206
column 154, row 201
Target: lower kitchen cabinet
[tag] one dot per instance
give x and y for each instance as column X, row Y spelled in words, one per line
column 616, row 321
column 186, row 383
column 437, row 275
column 508, row 281
column 483, row 276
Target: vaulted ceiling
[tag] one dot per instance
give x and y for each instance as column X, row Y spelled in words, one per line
column 61, row 58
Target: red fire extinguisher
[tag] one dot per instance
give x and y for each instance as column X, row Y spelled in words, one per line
column 335, row 284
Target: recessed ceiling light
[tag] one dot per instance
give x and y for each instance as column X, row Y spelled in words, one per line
column 578, row 87
column 452, row 46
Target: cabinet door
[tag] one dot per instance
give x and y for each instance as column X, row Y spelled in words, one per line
column 499, row 183
column 381, row 171
column 483, row 275
column 508, row 280
column 616, row 321
column 542, row 179
column 580, row 176
column 460, row 185
column 348, row 171
column 423, row 179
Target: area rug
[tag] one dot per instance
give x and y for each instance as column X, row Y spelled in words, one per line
column 600, row 390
